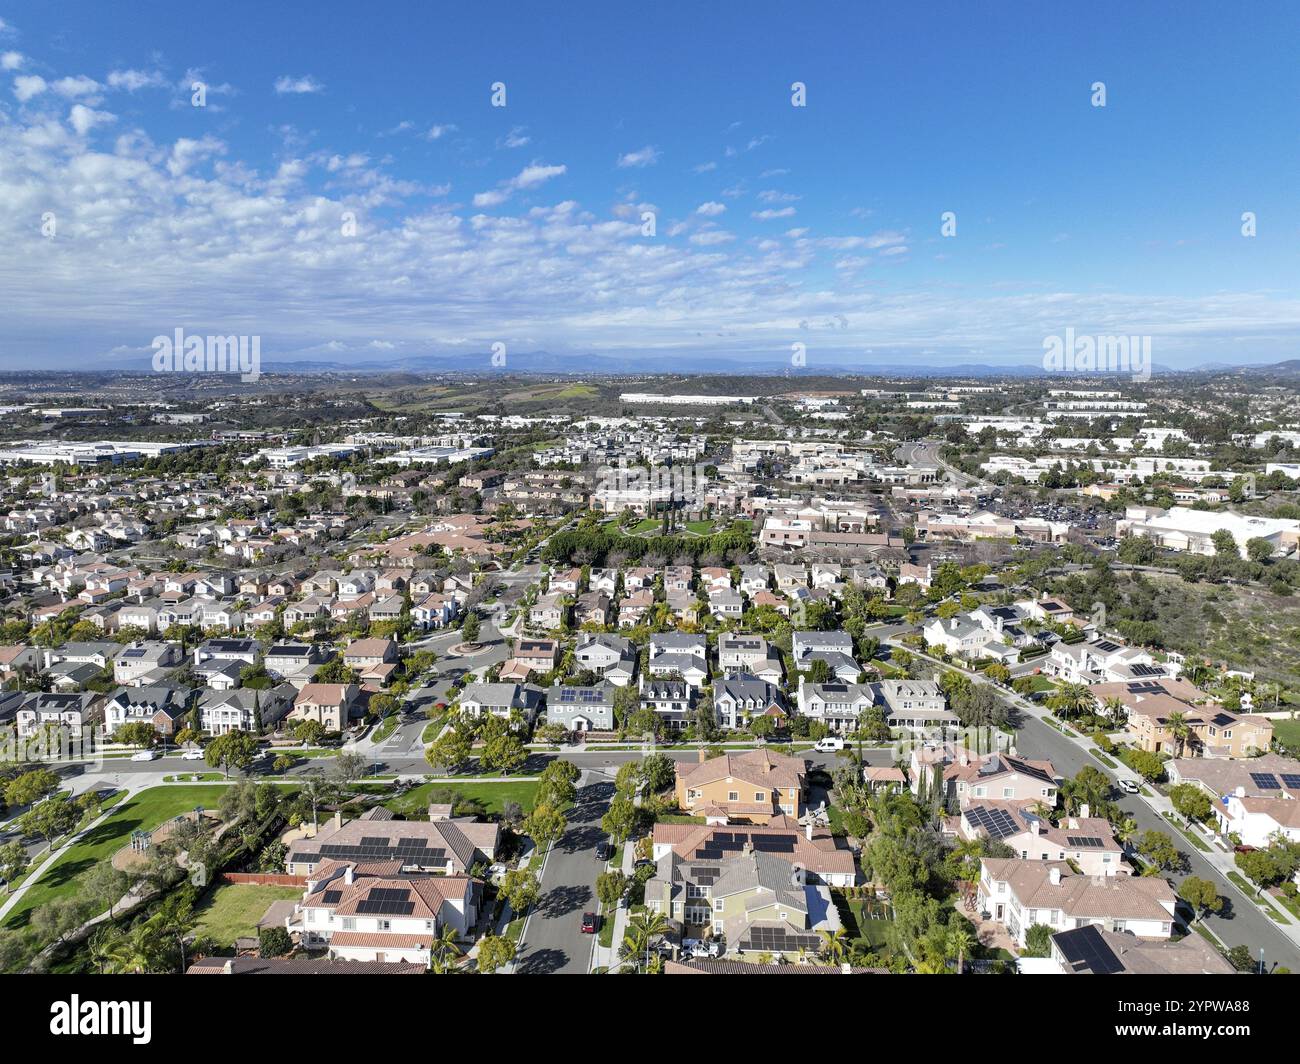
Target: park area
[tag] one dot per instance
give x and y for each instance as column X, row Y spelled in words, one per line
column 232, row 910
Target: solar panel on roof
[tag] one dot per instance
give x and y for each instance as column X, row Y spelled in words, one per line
column 1084, row 949
column 1084, row 842
column 997, row 822
column 1265, row 781
column 1291, row 780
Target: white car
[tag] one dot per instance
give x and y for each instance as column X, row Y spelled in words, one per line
column 711, row 948
column 145, row 755
column 1128, row 786
column 192, row 755
column 829, row 743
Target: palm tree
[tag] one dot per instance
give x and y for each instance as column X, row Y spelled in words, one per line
column 444, row 946
column 1125, row 830
column 1179, row 730
column 642, row 929
column 834, row 944
column 960, row 943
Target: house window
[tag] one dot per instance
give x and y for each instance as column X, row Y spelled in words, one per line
column 385, row 925
column 349, row 923
column 760, row 796
column 717, row 906
column 733, row 796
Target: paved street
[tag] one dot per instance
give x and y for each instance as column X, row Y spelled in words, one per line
column 552, row 940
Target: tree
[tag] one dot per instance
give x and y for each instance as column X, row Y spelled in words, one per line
column 450, row 750
column 349, row 767
column 1225, row 544
column 105, row 886
column 1260, row 867
column 659, row 772
column 54, row 817
column 503, row 752
column 1259, row 549
column 13, row 862
column 1159, row 851
column 235, row 749
column 555, row 786
column 31, row 787
column 520, row 888
column 622, row 818
column 545, row 825
column 469, row 628
column 1191, row 802
column 138, row 733
column 1038, row 941
column 1146, row 764
column 834, row 944
column 57, row 919
column 1201, row 895
column 610, row 888
column 274, row 942
column 960, row 944
column 494, row 952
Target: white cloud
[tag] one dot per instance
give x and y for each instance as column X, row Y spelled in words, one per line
column 515, row 138
column 11, row 60
column 646, row 156
column 493, row 198
column 83, row 119
column 712, row 237
column 769, row 214
column 291, row 86
column 134, row 80
column 531, row 176
column 771, row 195
column 710, row 209
column 28, row 85
column 705, row 168
column 73, row 88
column 438, row 132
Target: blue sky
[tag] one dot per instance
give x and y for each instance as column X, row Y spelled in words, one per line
column 523, row 224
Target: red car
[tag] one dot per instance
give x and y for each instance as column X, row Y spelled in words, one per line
column 590, row 921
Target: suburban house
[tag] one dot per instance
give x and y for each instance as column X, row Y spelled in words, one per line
column 1086, row 841
column 1154, row 706
column 610, row 655
column 671, row 699
column 740, row 698
column 968, row 776
column 160, row 706
column 245, row 709
column 750, row 654
column 581, row 709
column 74, row 711
column 1091, row 950
column 332, row 705
column 834, row 648
column 679, row 654
column 1021, row 893
column 442, row 845
column 754, row 787
column 146, row 663
column 500, row 699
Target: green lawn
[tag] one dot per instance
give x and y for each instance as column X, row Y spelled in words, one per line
column 700, row 528
column 1287, row 730
column 493, row 795
column 233, row 909
column 146, row 811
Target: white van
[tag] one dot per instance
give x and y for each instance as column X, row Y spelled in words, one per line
column 828, row 744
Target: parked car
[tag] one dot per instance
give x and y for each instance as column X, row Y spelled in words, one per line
column 829, row 743
column 604, row 851
column 1128, row 787
column 711, row 948
column 590, row 923
column 192, row 755
column 145, row 755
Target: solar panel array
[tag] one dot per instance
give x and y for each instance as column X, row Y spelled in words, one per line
column 586, row 695
column 1084, row 948
column 1265, row 781
column 997, row 822
column 1084, row 842
column 1291, row 780
column 407, row 851
column 777, row 940
column 1148, row 670
column 387, row 900
column 705, row 875
column 332, row 897
column 723, row 843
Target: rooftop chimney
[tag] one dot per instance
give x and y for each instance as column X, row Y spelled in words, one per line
column 808, row 830
column 1084, row 812
column 1055, row 876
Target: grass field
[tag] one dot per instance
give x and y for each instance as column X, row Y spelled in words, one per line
column 1287, row 731
column 493, row 795
column 233, row 909
column 145, row 811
